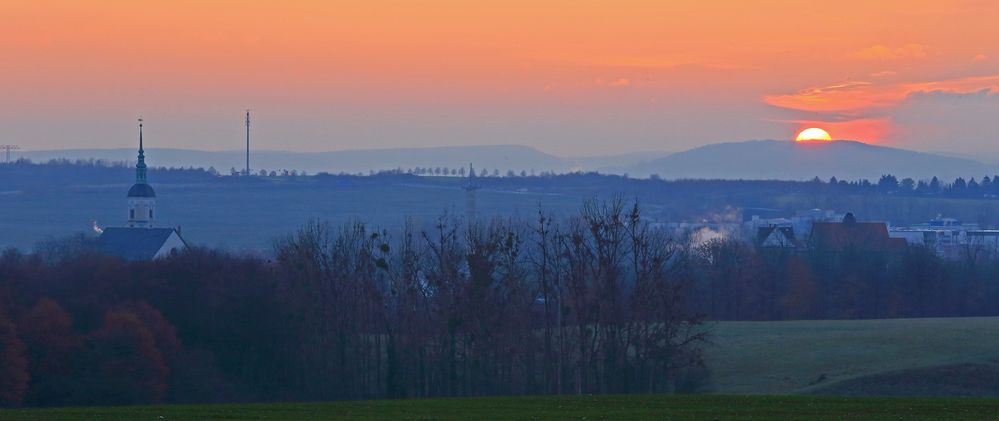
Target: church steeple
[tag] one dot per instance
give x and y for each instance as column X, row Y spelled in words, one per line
column 140, row 167
column 141, row 197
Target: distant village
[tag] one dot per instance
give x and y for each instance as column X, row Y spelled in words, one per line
column 835, row 231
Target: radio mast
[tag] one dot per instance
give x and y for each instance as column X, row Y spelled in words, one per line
column 247, row 143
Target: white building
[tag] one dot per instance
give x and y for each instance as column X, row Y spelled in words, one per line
column 949, row 237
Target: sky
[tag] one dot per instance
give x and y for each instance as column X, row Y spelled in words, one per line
column 571, row 78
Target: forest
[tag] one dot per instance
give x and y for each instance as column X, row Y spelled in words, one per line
column 598, row 302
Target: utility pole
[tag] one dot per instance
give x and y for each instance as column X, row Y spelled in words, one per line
column 247, row 143
column 7, row 149
column 470, row 201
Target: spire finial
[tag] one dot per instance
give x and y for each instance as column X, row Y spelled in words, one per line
column 247, row 170
column 140, row 167
column 140, row 135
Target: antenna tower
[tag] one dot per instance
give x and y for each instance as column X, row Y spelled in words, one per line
column 247, row 142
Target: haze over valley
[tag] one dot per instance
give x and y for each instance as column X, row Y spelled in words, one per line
column 749, row 160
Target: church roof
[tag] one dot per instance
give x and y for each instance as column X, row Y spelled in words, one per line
column 134, row 243
column 774, row 236
column 141, row 190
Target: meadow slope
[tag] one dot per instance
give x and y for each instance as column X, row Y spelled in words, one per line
column 822, row 356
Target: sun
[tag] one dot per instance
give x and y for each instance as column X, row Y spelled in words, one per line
column 813, row 134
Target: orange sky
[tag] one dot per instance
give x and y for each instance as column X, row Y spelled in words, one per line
column 569, row 77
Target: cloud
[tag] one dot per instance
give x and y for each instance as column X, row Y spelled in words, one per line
column 837, row 98
column 884, row 73
column 651, row 62
column 979, row 57
column 884, row 53
column 951, row 121
column 941, row 94
column 859, row 98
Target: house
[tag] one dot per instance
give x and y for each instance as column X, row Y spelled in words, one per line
column 140, row 239
column 801, row 221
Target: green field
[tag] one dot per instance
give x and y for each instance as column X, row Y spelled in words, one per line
column 766, row 362
column 551, row 407
column 955, row 356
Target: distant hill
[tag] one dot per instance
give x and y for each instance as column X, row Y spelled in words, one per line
column 614, row 164
column 785, row 160
column 502, row 157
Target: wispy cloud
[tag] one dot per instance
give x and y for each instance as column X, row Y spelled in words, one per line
column 884, row 73
column 869, row 110
column 653, row 62
column 861, row 98
column 885, row 53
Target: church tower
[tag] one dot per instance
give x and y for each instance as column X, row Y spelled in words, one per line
column 141, row 197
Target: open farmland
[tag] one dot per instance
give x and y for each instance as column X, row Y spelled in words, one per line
column 815, row 356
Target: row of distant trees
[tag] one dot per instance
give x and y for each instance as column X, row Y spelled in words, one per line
column 460, row 172
column 261, row 172
column 421, row 171
column 736, row 280
column 233, row 171
column 988, row 187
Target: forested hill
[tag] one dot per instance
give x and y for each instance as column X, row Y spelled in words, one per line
column 27, row 177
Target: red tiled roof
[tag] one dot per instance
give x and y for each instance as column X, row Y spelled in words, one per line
column 837, row 236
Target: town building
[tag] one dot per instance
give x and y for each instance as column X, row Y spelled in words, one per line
column 800, row 222
column 850, row 234
column 950, row 238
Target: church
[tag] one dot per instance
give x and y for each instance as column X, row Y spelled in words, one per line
column 140, row 239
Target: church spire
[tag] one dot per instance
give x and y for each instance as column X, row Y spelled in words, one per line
column 140, row 167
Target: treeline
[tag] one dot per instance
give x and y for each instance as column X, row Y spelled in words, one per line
column 735, row 280
column 55, row 175
column 988, row 187
column 595, row 303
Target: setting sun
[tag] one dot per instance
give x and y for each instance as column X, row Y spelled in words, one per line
column 813, row 134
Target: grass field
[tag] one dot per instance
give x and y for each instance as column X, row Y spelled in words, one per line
column 766, row 362
column 550, row 407
column 899, row 357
